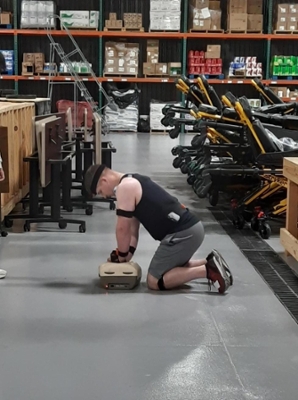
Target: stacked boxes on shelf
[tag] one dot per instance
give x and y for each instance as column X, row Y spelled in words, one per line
column 8, row 56
column 204, row 15
column 155, row 68
column 165, row 15
column 34, row 14
column 79, row 19
column 33, row 63
column 285, row 66
column 133, row 21
column 245, row 67
column 113, row 22
column 121, row 58
column 205, row 63
column 245, row 15
column 286, row 17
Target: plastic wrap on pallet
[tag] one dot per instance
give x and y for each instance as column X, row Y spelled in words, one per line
column 34, row 14
column 126, row 118
column 156, row 115
column 165, row 15
column 7, row 62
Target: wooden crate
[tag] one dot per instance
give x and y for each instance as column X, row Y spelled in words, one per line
column 17, row 118
column 289, row 234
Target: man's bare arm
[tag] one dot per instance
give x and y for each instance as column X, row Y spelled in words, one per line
column 126, row 201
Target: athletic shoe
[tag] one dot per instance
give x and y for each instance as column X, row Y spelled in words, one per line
column 218, row 271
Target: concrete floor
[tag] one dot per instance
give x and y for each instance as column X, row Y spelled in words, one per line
column 62, row 337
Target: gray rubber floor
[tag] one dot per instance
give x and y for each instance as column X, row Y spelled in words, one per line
column 62, row 337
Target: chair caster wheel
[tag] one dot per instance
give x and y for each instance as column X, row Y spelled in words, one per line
column 4, row 233
column 265, row 230
column 27, row 227
column 8, row 223
column 89, row 210
column 112, row 206
column 62, row 225
column 82, row 229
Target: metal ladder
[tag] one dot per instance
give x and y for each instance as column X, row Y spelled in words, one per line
column 65, row 58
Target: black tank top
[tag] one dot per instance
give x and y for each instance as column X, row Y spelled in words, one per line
column 160, row 213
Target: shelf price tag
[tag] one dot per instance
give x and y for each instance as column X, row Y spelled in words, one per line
column 239, row 82
column 230, row 81
column 123, row 80
column 31, row 77
column 68, row 79
column 110, row 80
column 42, row 78
column 165, row 80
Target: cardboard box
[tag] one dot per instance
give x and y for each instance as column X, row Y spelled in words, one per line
column 199, row 4
column 200, row 19
column 5, row 18
column 213, row 51
column 112, row 16
column 237, row 6
column 27, row 69
column 174, row 68
column 152, row 51
column 29, row 58
column 255, row 7
column 255, row 22
column 214, row 5
column 148, row 69
column 237, row 22
column 121, row 58
column 215, row 20
column 161, row 68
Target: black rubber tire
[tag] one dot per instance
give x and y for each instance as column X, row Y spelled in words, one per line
column 254, row 224
column 8, row 223
column 265, row 230
column 82, row 229
column 214, row 198
column 62, row 225
column 27, row 227
column 89, row 210
column 112, row 206
column 4, row 233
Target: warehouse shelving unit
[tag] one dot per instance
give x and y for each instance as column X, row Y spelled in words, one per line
column 35, row 40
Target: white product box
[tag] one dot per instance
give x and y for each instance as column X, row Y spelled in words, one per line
column 75, row 22
column 74, row 14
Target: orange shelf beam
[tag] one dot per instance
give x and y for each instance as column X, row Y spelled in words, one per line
column 9, row 77
column 240, row 36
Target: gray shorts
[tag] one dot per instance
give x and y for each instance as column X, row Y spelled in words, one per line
column 176, row 250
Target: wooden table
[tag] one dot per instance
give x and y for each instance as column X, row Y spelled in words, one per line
column 289, row 235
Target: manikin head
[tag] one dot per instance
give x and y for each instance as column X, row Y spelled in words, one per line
column 101, row 180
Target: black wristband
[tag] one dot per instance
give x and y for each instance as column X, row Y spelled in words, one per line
column 132, row 250
column 120, row 254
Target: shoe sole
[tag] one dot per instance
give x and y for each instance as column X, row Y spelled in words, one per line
column 219, row 262
column 222, row 261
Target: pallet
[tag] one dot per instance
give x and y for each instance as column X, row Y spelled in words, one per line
column 115, row 75
column 156, row 76
column 245, row 77
column 81, row 28
column 245, row 31
column 194, row 76
column 164, row 31
column 281, row 77
column 285, row 32
column 3, row 26
column 123, row 29
column 206, row 31
column 68, row 74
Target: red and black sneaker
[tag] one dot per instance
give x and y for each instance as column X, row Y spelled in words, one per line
column 218, row 271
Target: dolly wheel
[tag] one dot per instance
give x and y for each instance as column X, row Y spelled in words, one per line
column 255, row 224
column 62, row 225
column 112, row 206
column 82, row 229
column 27, row 227
column 89, row 210
column 4, row 233
column 265, row 230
